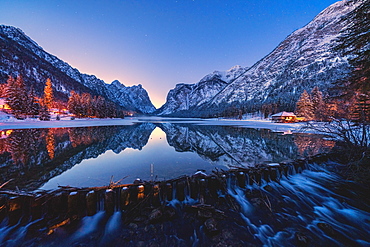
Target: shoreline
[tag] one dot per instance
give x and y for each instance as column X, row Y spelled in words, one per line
column 63, row 123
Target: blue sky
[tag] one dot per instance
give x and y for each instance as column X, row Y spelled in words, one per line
column 158, row 43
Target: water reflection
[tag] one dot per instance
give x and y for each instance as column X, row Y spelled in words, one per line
column 89, row 156
column 33, row 156
column 238, row 146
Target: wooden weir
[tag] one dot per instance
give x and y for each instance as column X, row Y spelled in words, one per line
column 66, row 204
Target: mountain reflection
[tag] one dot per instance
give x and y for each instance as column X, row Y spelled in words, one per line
column 31, row 157
column 236, row 146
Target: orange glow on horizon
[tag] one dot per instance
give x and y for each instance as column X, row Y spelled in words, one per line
column 157, row 135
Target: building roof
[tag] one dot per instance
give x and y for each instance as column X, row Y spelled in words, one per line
column 284, row 114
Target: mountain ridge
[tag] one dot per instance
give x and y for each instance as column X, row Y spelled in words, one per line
column 208, row 87
column 22, row 55
column 303, row 60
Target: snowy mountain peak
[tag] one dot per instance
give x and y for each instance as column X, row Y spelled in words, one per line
column 335, row 10
column 235, row 72
column 18, row 35
column 226, row 76
column 135, row 97
column 234, row 68
column 24, row 56
column 303, row 60
column 117, row 83
column 187, row 96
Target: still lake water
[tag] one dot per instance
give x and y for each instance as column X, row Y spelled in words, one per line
column 309, row 207
column 92, row 156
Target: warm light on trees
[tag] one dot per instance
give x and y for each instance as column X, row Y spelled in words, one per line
column 87, row 106
column 74, row 103
column 50, row 144
column 23, row 102
column 48, row 94
column 304, row 106
column 354, row 90
column 361, row 112
column 354, row 42
column 318, row 105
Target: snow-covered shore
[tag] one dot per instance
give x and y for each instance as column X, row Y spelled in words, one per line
column 8, row 122
column 33, row 123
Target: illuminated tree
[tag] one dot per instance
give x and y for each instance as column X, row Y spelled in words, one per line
column 50, row 143
column 74, row 105
column 304, row 107
column 2, row 90
column 86, row 105
column 361, row 112
column 48, row 95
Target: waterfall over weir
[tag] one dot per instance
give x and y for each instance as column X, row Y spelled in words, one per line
column 295, row 204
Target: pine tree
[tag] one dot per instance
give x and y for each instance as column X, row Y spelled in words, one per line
column 86, row 105
column 16, row 96
column 32, row 106
column 355, row 41
column 48, row 95
column 10, row 90
column 74, row 104
column 44, row 113
column 304, row 107
column 100, row 107
column 361, row 113
column 23, row 95
column 318, row 104
column 2, row 90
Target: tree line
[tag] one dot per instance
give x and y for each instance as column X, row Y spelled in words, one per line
column 24, row 103
column 85, row 105
column 351, row 95
column 315, row 107
column 312, row 106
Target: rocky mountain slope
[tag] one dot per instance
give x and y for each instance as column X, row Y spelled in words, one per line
column 188, row 96
column 135, row 96
column 21, row 55
column 305, row 59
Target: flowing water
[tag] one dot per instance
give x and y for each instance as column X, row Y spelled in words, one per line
column 310, row 206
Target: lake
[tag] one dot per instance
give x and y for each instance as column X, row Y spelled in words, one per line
column 93, row 156
column 308, row 205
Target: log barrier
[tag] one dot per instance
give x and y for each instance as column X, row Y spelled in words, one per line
column 66, row 204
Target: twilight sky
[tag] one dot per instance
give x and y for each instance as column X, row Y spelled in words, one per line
column 158, row 43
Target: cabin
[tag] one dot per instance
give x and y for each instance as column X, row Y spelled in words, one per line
column 284, row 117
column 5, row 133
column 3, row 104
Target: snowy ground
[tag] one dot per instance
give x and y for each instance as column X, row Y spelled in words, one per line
column 9, row 122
